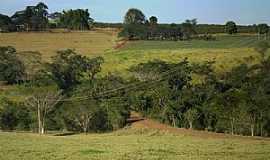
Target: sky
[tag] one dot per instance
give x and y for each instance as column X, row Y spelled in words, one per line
column 168, row 11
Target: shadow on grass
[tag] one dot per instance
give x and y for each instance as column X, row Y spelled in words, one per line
column 65, row 134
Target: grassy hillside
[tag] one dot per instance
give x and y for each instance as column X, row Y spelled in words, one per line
column 227, row 51
column 88, row 43
column 126, row 145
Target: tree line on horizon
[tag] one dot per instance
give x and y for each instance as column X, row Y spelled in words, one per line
column 37, row 18
column 137, row 26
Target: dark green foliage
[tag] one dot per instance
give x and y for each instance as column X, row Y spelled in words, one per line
column 6, row 24
column 151, row 32
column 12, row 69
column 98, row 111
column 68, row 68
column 236, row 102
column 4, row 20
column 188, row 28
column 78, row 19
column 108, row 25
column 134, row 31
column 136, row 27
column 263, row 28
column 231, row 27
column 153, row 20
column 33, row 17
column 134, row 16
column 15, row 116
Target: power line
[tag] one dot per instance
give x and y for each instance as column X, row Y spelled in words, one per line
column 126, row 88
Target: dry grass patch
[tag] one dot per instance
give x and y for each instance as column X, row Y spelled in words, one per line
column 90, row 43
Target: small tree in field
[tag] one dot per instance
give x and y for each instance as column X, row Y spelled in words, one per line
column 191, row 115
column 231, row 27
column 263, row 29
column 153, row 20
column 43, row 102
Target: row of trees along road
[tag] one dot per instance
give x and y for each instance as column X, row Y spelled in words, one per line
column 67, row 94
column 136, row 26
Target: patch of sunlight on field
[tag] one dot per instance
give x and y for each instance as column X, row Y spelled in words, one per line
column 120, row 61
column 112, row 146
column 90, row 43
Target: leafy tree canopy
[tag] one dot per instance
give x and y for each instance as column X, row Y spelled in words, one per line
column 12, row 69
column 231, row 27
column 134, row 16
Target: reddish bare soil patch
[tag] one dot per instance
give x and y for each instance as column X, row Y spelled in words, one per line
column 121, row 44
column 138, row 122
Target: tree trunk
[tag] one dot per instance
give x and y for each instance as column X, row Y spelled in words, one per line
column 85, row 124
column 252, row 129
column 42, row 130
column 85, row 129
column 39, row 120
column 232, row 126
column 190, row 125
column 173, row 119
column 261, row 129
column 261, row 123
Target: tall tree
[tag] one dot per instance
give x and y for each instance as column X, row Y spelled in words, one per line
column 231, row 27
column 153, row 20
column 78, row 19
column 33, row 17
column 263, row 29
column 189, row 28
column 134, row 16
column 6, row 23
column 191, row 115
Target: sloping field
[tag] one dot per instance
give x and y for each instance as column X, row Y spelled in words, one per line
column 120, row 61
column 88, row 43
column 227, row 51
